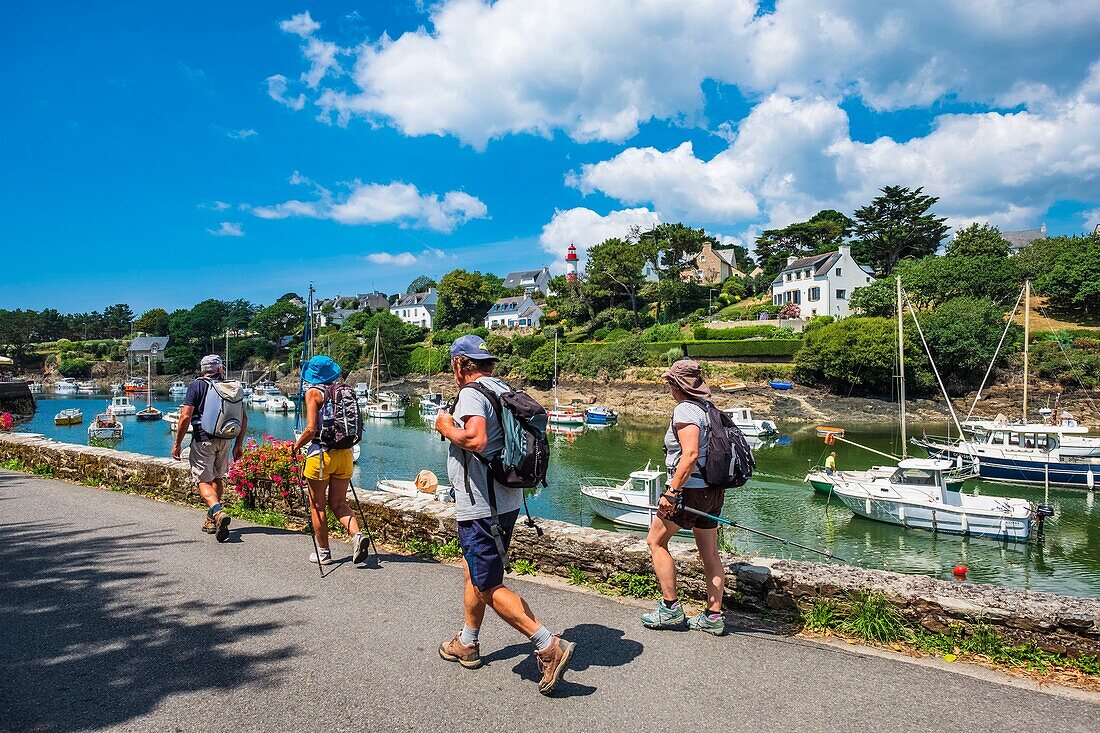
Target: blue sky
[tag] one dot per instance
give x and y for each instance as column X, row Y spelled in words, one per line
column 160, row 155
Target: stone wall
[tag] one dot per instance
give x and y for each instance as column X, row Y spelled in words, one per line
column 16, row 398
column 1056, row 623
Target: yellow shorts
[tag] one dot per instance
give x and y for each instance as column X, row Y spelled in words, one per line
column 329, row 464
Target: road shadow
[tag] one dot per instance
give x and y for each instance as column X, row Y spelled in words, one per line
column 93, row 636
column 597, row 646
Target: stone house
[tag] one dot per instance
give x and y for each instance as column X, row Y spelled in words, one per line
column 712, row 266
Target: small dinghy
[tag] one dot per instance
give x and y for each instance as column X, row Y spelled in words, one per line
column 69, row 417
column 105, row 427
column 743, row 419
column 600, row 415
column 149, row 414
column 426, row 484
column 732, row 386
column 780, row 384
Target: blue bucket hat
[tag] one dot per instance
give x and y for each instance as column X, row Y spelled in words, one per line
column 473, row 347
column 320, row 370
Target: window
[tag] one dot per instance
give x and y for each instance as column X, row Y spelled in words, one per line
column 807, row 273
column 842, row 295
column 814, row 295
column 798, row 296
column 788, row 277
column 838, row 272
column 702, row 258
column 868, row 280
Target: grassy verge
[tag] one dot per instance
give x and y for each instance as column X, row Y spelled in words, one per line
column 257, row 516
column 872, row 619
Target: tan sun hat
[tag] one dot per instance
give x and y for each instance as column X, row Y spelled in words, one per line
column 427, row 482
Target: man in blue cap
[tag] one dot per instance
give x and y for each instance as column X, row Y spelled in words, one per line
column 475, row 427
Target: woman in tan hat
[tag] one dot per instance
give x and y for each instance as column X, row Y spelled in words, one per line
column 685, row 454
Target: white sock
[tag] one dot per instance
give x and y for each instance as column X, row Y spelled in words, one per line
column 468, row 635
column 542, row 639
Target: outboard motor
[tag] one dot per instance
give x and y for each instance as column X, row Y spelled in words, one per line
column 1042, row 511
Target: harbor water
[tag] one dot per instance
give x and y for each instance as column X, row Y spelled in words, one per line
column 776, row 500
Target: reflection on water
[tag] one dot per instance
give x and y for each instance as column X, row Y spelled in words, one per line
column 776, row 500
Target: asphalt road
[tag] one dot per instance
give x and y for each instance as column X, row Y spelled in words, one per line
column 116, row 613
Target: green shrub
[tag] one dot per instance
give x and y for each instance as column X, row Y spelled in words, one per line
column 756, row 348
column 737, row 333
column 600, row 334
column 860, row 353
column 447, row 336
column 610, row 359
column 872, row 618
column 666, row 332
column 524, row 346
column 635, row 585
column 617, row 335
column 817, row 322
column 76, row 368
column 429, row 360
column 822, row 616
column 499, row 345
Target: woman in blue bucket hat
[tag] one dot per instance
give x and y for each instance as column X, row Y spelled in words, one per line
column 328, row 469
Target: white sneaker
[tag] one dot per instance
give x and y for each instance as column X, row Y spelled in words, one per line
column 359, row 548
column 326, row 556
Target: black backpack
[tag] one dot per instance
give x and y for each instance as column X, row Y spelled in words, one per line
column 341, row 423
column 729, row 459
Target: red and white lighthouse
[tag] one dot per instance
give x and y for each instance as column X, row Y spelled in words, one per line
column 571, row 264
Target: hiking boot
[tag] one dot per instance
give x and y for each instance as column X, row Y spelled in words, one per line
column 359, row 548
column 326, row 556
column 455, row 651
column 703, row 622
column 552, row 662
column 209, row 526
column 664, row 618
column 221, row 526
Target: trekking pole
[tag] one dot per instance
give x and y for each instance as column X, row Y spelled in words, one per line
column 363, row 519
column 309, row 515
column 781, row 540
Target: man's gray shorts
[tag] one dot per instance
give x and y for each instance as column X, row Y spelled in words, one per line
column 210, row 460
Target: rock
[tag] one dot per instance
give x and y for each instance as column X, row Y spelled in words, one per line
column 754, row 576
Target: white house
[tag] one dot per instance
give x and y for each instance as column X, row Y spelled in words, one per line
column 822, row 284
column 417, row 308
column 529, row 280
column 516, row 312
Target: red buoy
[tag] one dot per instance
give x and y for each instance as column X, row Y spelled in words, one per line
column 959, row 571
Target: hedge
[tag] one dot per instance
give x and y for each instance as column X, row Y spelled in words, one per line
column 766, row 347
column 764, row 330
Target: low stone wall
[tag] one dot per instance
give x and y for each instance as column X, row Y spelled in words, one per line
column 1056, row 623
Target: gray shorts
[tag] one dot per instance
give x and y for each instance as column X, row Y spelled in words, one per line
column 210, row 460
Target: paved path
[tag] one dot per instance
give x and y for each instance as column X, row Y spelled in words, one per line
column 117, row 613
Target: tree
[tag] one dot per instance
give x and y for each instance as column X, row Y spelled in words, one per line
column 860, row 354
column 1067, row 271
column 396, row 339
column 569, row 301
column 238, row 313
column 897, row 224
column 421, row 284
column 290, row 296
column 207, row 319
column 615, row 267
column 153, row 322
column 181, row 358
column 823, row 232
column 179, row 326
column 978, row 240
column 962, row 335
column 116, row 320
column 670, row 248
column 465, row 297
column 280, row 319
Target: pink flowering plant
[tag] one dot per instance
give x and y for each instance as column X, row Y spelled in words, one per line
column 267, row 472
column 6, row 421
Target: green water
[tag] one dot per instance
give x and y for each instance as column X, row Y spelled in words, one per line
column 776, row 500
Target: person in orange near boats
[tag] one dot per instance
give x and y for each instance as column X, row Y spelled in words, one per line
column 830, row 464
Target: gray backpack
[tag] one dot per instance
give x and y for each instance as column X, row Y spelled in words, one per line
column 223, row 409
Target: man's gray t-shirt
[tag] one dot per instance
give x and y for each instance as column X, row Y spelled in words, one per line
column 686, row 413
column 472, row 403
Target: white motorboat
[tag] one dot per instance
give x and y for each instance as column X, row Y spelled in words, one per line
column 916, row 496
column 72, row 416
column 565, row 415
column 121, row 405
column 65, row 385
column 178, row 390
column 35, row 387
column 173, row 419
column 362, row 389
column 260, row 393
column 386, row 410
column 105, row 426
column 86, row 387
column 631, row 503
column 425, row 485
column 278, row 402
column 431, row 403
column 743, row 419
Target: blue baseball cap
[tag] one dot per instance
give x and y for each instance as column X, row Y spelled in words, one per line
column 320, row 370
column 473, row 347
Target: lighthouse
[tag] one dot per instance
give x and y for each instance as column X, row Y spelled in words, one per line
column 571, row 264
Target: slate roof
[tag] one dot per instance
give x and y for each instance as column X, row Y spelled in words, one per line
column 729, row 256
column 426, row 299
column 515, row 279
column 142, row 343
column 820, row 263
column 507, row 305
column 1024, row 237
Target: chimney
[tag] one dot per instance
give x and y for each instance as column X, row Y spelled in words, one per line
column 844, row 249
column 791, row 259
column 1043, row 229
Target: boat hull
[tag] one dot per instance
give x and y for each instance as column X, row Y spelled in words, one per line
column 938, row 519
column 621, row 513
column 1020, row 471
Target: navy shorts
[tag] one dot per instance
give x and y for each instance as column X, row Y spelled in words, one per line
column 475, row 537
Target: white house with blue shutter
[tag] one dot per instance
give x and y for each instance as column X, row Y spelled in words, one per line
column 516, row 312
column 821, row 285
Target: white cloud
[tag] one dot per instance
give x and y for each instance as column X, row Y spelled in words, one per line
column 276, row 89
column 584, row 228
column 322, row 58
column 301, row 24
column 297, row 179
column 377, row 203
column 228, row 229
column 792, row 157
column 482, row 70
column 402, row 259
column 215, row 206
column 243, row 134
column 1091, row 219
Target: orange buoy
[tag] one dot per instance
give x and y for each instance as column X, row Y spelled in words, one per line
column 959, row 571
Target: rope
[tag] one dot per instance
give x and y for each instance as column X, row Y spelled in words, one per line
column 992, row 361
column 950, row 407
column 1073, row 369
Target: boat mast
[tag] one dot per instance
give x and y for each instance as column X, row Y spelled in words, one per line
column 1027, row 339
column 227, row 352
column 555, row 367
column 901, row 371
column 149, row 383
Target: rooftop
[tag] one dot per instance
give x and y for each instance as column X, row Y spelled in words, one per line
column 144, row 343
